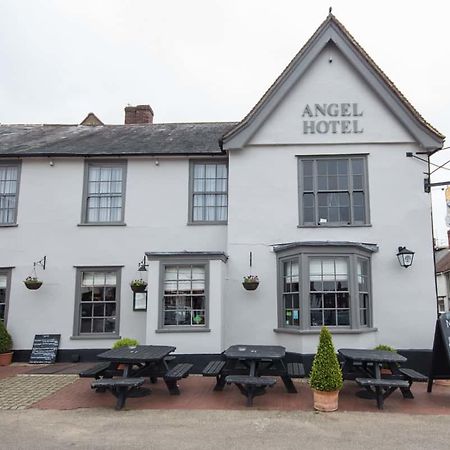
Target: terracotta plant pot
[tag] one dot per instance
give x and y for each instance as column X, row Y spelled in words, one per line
column 6, row 358
column 33, row 285
column 325, row 401
column 250, row 285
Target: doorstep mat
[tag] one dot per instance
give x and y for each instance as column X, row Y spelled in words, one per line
column 60, row 368
column 23, row 390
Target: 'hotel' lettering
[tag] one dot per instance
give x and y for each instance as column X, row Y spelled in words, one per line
column 345, row 126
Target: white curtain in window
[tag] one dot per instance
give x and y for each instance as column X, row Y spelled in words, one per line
column 3, row 281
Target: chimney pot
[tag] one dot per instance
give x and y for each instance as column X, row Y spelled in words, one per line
column 139, row 114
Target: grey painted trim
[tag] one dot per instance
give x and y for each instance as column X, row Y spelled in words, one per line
column 243, row 132
column 186, row 256
column 192, row 162
column 183, row 261
column 7, row 271
column 183, row 330
column 102, row 224
column 8, row 225
column 103, row 163
column 348, row 157
column 331, row 329
column 302, row 254
column 92, row 337
column 77, row 303
column 18, row 164
column 319, row 246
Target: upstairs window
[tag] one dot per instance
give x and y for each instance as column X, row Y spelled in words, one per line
column 104, row 193
column 9, row 183
column 333, row 191
column 209, row 192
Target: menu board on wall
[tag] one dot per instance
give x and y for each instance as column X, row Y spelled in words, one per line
column 45, row 348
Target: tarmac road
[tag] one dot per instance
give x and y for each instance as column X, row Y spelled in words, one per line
column 183, row 429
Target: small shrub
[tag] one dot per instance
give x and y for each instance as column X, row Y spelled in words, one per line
column 125, row 342
column 5, row 339
column 386, row 348
column 326, row 373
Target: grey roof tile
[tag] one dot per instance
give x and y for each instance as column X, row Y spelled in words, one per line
column 77, row 140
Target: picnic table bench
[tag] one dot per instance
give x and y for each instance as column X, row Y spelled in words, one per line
column 176, row 373
column 119, row 387
column 251, row 385
column 381, row 387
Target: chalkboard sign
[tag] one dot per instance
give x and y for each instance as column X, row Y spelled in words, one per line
column 440, row 361
column 45, row 347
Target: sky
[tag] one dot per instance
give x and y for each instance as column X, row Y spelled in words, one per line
column 206, row 60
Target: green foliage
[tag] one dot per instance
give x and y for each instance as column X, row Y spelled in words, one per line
column 251, row 279
column 138, row 283
column 387, row 348
column 125, row 342
column 5, row 339
column 326, row 373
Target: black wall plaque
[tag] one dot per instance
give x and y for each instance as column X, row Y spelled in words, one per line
column 440, row 361
column 45, row 347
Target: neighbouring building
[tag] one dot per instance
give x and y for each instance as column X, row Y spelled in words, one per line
column 312, row 192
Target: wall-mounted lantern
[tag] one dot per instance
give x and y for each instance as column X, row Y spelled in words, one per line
column 405, row 257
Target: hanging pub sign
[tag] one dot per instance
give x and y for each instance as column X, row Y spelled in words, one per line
column 335, row 118
column 440, row 361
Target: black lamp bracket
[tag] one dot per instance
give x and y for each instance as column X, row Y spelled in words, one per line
column 42, row 262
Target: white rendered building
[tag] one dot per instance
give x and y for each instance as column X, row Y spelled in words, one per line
column 312, row 192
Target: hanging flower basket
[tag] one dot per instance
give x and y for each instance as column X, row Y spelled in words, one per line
column 32, row 283
column 138, row 285
column 250, row 283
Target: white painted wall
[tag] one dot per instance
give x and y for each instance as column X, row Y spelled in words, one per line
column 325, row 83
column 49, row 212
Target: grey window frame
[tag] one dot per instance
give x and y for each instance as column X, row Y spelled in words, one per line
column 77, row 312
column 107, row 163
column 192, row 163
column 316, row 191
column 181, row 261
column 18, row 165
column 303, row 254
column 6, row 271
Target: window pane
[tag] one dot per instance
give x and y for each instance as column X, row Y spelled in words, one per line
column 187, row 308
column 98, row 299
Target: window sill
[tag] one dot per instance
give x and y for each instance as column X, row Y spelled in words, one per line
column 332, row 331
column 337, row 225
column 102, row 224
column 94, row 336
column 212, row 222
column 183, row 330
column 8, row 225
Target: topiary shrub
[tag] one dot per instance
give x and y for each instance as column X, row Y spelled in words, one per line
column 5, row 339
column 125, row 342
column 326, row 373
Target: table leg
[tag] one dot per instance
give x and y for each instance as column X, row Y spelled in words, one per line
column 288, row 384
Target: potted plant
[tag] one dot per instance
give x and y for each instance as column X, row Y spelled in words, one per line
column 385, row 369
column 125, row 342
column 5, row 346
column 250, row 282
column 138, row 285
column 325, row 378
column 32, row 283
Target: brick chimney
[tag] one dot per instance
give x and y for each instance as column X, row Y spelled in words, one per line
column 138, row 114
